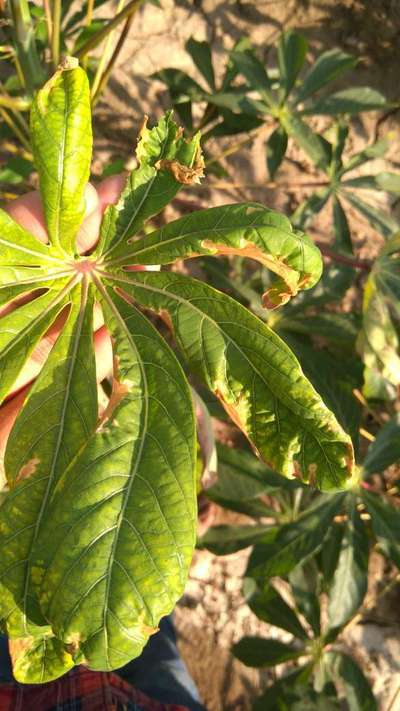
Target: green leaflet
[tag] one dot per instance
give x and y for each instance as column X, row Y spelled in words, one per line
column 325, row 69
column 36, row 661
column 307, row 210
column 349, row 101
column 341, row 227
column 382, row 222
column 285, row 547
column 385, row 450
column 311, row 143
column 350, row 580
column 59, row 415
column 166, row 162
column 385, row 523
column 20, row 248
column 19, row 333
column 62, row 146
column 224, row 540
column 270, row 607
column 18, row 280
column 246, row 62
column 276, row 146
column 247, row 229
column 292, row 50
column 261, row 652
column 120, row 533
column 200, row 53
column 290, row 689
column 379, row 341
column 376, row 150
column 345, row 670
column 304, row 582
column 254, row 374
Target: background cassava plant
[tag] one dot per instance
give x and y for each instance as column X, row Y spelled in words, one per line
column 284, row 95
column 97, row 527
column 308, row 570
column 341, row 189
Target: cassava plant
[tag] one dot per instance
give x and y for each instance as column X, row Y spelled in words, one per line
column 326, row 677
column 317, row 549
column 98, row 524
column 283, row 95
column 341, row 188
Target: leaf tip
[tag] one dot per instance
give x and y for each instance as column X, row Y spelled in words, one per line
column 274, row 297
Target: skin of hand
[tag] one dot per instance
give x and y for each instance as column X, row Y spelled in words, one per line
column 27, row 211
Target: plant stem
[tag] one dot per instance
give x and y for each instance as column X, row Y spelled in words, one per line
column 360, row 397
column 24, row 38
column 104, row 31
column 12, row 147
column 55, row 33
column 298, row 494
column 19, row 71
column 15, row 103
column 8, row 196
column 49, row 21
column 367, row 435
column 7, row 100
column 102, row 83
column 89, row 12
column 342, row 259
column 269, row 183
column 104, row 57
column 394, row 699
column 17, row 131
column 89, row 19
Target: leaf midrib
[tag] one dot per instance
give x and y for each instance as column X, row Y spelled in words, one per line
column 144, row 198
column 208, row 230
column 133, row 471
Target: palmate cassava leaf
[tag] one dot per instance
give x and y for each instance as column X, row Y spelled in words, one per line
column 61, row 133
column 97, row 525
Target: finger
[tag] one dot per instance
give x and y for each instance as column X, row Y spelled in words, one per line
column 110, row 189
column 9, row 413
column 28, row 212
column 108, row 192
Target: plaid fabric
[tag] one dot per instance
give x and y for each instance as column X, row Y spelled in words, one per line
column 80, row 690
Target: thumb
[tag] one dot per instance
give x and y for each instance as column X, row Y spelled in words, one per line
column 107, row 192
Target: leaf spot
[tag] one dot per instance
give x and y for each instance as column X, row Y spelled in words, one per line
column 27, row 470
